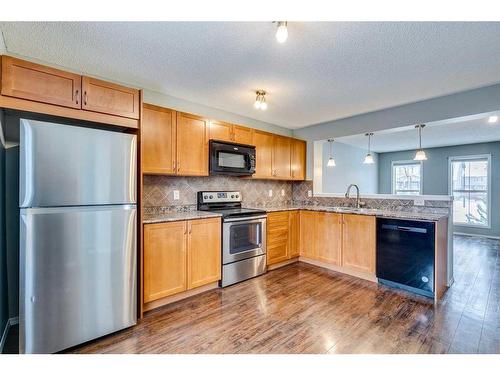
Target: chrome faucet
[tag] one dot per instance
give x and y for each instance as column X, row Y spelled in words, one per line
column 359, row 204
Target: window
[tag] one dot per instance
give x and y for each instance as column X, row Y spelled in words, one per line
column 406, row 178
column 470, row 187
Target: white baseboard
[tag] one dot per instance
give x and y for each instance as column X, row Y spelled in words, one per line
column 10, row 322
column 477, row 235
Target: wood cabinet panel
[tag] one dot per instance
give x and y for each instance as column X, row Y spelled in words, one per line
column 165, row 271
column 277, row 237
column 27, row 80
column 242, row 134
column 221, row 131
column 106, row 97
column 294, row 234
column 282, row 157
column 298, row 159
column 328, row 237
column 264, row 144
column 204, row 252
column 308, row 234
column 192, row 145
column 158, row 130
column 359, row 243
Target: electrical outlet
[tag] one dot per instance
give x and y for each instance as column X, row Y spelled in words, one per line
column 270, row 193
column 282, row 192
column 176, row 195
column 419, row 201
column 309, row 193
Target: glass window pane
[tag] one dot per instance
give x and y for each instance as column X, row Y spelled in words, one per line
column 469, row 182
column 407, row 178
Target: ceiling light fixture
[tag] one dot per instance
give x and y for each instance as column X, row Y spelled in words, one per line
column 369, row 156
column 420, row 155
column 282, row 31
column 260, row 100
column 331, row 160
column 492, row 119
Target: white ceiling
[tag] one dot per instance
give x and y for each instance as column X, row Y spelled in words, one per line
column 325, row 71
column 452, row 132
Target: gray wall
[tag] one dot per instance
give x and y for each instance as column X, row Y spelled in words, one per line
column 435, row 175
column 4, row 313
column 472, row 102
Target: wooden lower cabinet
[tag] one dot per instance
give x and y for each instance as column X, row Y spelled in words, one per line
column 165, row 256
column 308, row 234
column 359, row 243
column 277, row 237
column 294, row 233
column 180, row 255
column 328, row 237
column 204, row 252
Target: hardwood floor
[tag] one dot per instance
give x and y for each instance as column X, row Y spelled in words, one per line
column 301, row 308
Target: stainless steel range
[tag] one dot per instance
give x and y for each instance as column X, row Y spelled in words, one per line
column 243, row 235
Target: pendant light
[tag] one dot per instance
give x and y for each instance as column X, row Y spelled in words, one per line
column 369, row 156
column 420, row 155
column 331, row 160
column 260, row 100
column 282, row 32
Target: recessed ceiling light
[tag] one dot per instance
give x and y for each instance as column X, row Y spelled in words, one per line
column 282, row 32
column 492, row 119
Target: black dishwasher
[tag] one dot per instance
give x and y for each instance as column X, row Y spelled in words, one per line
column 405, row 254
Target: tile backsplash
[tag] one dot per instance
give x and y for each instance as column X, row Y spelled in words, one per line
column 159, row 190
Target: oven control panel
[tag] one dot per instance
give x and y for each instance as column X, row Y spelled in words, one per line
column 220, row 196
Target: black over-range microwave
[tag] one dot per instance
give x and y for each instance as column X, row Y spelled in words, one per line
column 231, row 158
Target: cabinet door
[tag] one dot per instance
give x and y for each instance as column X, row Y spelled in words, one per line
column 308, row 234
column 359, row 244
column 242, row 135
column 26, row 80
column 282, row 157
column 106, row 97
column 328, row 237
column 165, row 271
column 263, row 154
column 294, row 234
column 221, row 131
column 277, row 237
column 204, row 252
column 158, row 140
column 298, row 159
column 192, row 145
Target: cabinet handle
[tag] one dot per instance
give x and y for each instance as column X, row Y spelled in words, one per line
column 173, row 166
column 76, row 96
column 186, row 230
column 85, row 98
column 178, row 166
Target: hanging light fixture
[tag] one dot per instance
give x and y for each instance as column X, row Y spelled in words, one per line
column 260, row 100
column 369, row 156
column 331, row 160
column 282, row 32
column 420, row 155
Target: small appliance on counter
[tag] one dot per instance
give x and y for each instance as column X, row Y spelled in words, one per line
column 232, row 158
column 243, row 235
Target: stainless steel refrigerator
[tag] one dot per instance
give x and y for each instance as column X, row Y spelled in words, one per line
column 78, row 223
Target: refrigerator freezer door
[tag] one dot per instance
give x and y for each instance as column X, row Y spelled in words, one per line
column 77, row 275
column 64, row 165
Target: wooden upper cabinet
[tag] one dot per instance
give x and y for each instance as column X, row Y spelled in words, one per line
column 165, row 271
column 192, row 145
column 27, row 80
column 282, row 157
column 294, row 234
column 359, row 243
column 242, row 134
column 298, row 159
column 221, row 131
column 264, row 143
column 328, row 237
column 158, row 131
column 105, row 97
column 204, row 255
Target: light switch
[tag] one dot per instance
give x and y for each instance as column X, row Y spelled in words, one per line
column 282, row 192
column 176, row 195
column 270, row 192
column 309, row 193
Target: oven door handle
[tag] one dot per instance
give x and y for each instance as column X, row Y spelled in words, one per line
column 248, row 219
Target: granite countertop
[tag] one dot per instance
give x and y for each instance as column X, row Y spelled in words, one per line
column 163, row 217
column 411, row 215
